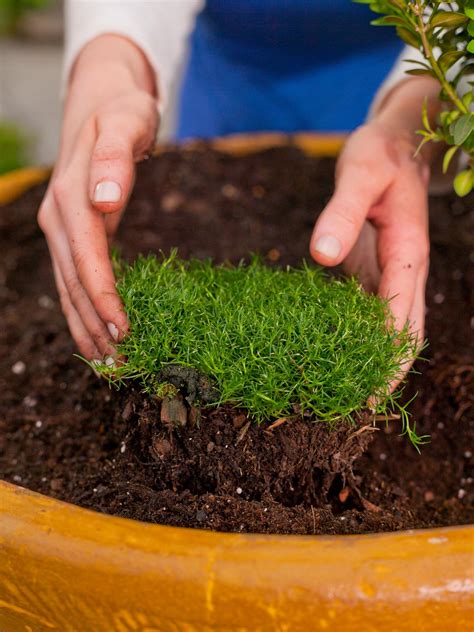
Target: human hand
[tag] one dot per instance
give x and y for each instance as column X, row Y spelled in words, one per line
column 110, row 123
column 376, row 223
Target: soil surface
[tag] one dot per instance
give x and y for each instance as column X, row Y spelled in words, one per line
column 64, row 433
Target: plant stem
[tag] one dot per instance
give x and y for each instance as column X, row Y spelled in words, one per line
column 418, row 10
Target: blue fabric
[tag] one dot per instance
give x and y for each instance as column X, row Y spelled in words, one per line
column 282, row 65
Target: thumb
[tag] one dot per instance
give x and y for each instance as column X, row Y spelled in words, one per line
column 340, row 223
column 112, row 164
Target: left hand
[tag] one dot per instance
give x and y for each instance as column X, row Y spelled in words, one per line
column 377, row 220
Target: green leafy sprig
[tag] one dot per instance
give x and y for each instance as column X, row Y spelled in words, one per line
column 444, row 33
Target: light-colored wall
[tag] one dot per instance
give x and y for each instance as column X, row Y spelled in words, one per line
column 29, row 93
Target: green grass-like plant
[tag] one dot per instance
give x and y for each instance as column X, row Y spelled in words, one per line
column 269, row 338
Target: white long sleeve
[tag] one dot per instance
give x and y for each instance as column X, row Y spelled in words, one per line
column 159, row 27
column 396, row 75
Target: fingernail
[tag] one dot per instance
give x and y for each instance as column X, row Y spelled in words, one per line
column 109, row 361
column 113, row 331
column 96, row 363
column 107, row 191
column 328, row 246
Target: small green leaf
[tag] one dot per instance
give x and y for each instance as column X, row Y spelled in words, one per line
column 408, row 37
column 470, row 46
column 468, row 144
column 417, row 61
column 420, row 71
column 446, row 60
column 462, row 128
column 468, row 98
column 470, row 28
column 425, row 140
column 424, row 116
column 448, row 157
column 447, row 19
column 464, row 182
column 443, row 96
column 469, row 9
column 389, row 20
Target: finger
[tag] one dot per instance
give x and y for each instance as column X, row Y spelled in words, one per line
column 358, row 189
column 398, row 286
column 362, row 260
column 417, row 314
column 112, row 222
column 74, row 292
column 87, row 240
column 122, row 139
column 403, row 248
column 79, row 333
column 403, row 244
column 416, row 319
column 76, row 295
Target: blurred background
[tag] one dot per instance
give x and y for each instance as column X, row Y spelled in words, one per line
column 31, row 45
column 30, row 69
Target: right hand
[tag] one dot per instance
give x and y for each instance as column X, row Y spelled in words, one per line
column 110, row 122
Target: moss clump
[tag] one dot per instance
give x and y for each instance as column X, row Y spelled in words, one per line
column 269, row 339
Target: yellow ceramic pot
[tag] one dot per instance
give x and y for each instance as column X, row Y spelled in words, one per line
column 63, row 568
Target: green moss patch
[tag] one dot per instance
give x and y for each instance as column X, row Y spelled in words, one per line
column 269, row 339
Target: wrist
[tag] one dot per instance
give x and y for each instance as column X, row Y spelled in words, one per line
column 401, row 111
column 111, row 64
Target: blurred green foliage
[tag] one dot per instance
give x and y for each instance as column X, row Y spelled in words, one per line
column 13, row 141
column 12, row 10
column 13, row 147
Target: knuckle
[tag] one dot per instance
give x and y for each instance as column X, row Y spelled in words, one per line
column 86, row 347
column 75, row 289
column 79, row 256
column 419, row 246
column 107, row 150
column 97, row 334
column 65, row 303
column 348, row 218
column 104, row 299
column 60, row 189
column 424, row 249
column 413, row 253
column 42, row 218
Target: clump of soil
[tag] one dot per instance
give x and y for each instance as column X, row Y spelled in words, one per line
column 194, row 386
column 66, row 434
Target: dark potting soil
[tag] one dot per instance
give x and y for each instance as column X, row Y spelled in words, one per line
column 66, row 434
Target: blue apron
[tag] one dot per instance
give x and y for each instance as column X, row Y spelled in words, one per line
column 282, row 65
